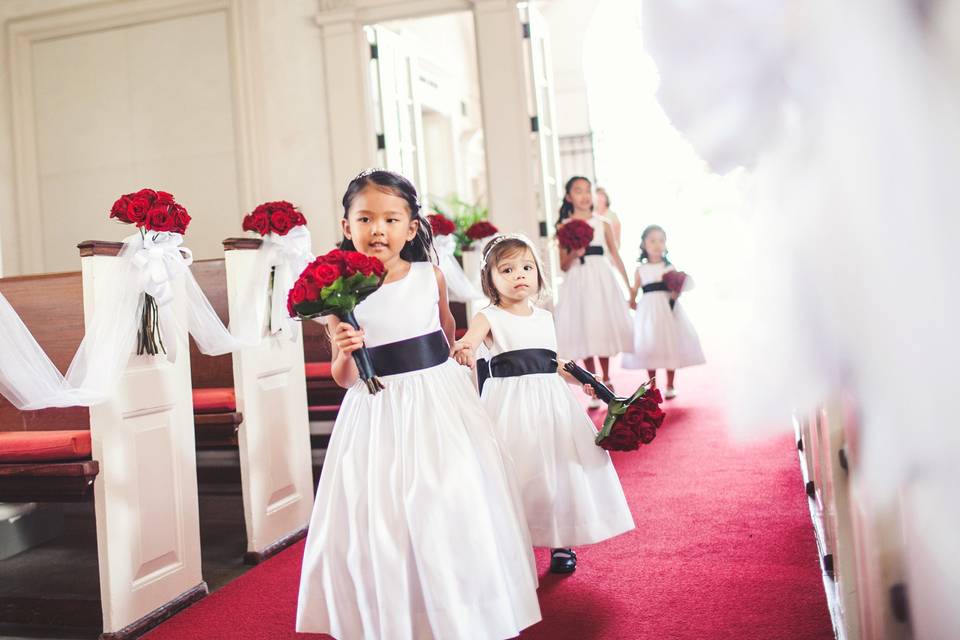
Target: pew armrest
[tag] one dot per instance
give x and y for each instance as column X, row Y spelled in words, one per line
column 48, row 481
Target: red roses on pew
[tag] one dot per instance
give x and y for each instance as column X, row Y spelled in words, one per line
column 480, row 230
column 335, row 283
column 441, row 225
column 273, row 217
column 151, row 211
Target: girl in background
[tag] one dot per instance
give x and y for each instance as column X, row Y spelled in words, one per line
column 592, row 317
column 664, row 337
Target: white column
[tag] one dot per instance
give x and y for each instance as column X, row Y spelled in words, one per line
column 346, row 56
column 506, row 118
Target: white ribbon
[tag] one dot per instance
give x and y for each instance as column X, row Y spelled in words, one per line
column 151, row 264
column 459, row 286
column 287, row 256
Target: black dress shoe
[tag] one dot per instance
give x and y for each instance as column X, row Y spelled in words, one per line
column 563, row 561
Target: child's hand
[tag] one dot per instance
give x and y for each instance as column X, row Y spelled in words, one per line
column 463, row 354
column 590, row 391
column 633, row 304
column 347, row 338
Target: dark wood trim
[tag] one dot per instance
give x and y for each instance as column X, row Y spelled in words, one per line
column 217, row 429
column 48, row 482
column 158, row 615
column 232, row 244
column 256, row 557
column 99, row 248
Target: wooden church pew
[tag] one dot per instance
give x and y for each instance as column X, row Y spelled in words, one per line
column 141, row 442
column 33, row 467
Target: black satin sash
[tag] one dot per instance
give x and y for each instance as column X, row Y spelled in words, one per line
column 409, row 355
column 593, row 250
column 520, row 362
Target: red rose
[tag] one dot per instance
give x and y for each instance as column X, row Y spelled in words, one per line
column 647, row 434
column 296, row 218
column 121, row 208
column 674, row 281
column 280, row 222
column 181, row 219
column 334, row 257
column 441, row 224
column 149, row 194
column 159, row 218
column 376, row 267
column 138, row 207
column 164, row 198
column 258, row 222
column 297, row 295
column 575, row 234
column 481, row 230
column 357, row 263
column 620, row 439
column 325, row 274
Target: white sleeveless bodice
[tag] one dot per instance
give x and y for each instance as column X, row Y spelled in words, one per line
column 511, row 332
column 406, row 308
column 599, row 235
column 651, row 272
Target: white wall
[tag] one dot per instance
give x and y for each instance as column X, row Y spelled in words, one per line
column 220, row 102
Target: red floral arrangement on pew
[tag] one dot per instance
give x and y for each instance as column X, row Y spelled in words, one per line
column 156, row 211
column 574, row 235
column 151, row 211
column 631, row 421
column 441, row 224
column 335, row 283
column 480, row 230
column 273, row 217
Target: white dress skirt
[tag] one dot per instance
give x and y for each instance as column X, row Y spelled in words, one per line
column 417, row 530
column 664, row 338
column 592, row 315
column 571, row 492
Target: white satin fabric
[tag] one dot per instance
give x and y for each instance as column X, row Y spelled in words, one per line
column 414, row 491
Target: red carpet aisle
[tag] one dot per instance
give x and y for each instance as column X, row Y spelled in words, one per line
column 723, row 549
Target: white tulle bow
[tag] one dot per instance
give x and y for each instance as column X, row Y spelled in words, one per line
column 459, row 286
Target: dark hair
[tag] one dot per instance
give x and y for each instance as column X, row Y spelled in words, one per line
column 420, row 248
column 493, row 252
column 643, row 252
column 566, row 207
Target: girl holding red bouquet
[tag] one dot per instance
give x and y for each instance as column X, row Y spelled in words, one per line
column 571, row 492
column 664, row 337
column 417, row 530
column 592, row 315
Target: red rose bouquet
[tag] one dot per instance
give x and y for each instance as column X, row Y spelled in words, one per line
column 335, row 283
column 441, row 224
column 151, row 211
column 574, row 235
column 159, row 212
column 675, row 282
column 631, row 421
column 480, row 230
column 273, row 217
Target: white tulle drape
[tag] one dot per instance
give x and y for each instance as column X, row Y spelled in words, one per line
column 146, row 264
column 845, row 113
column 286, row 256
column 459, row 286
